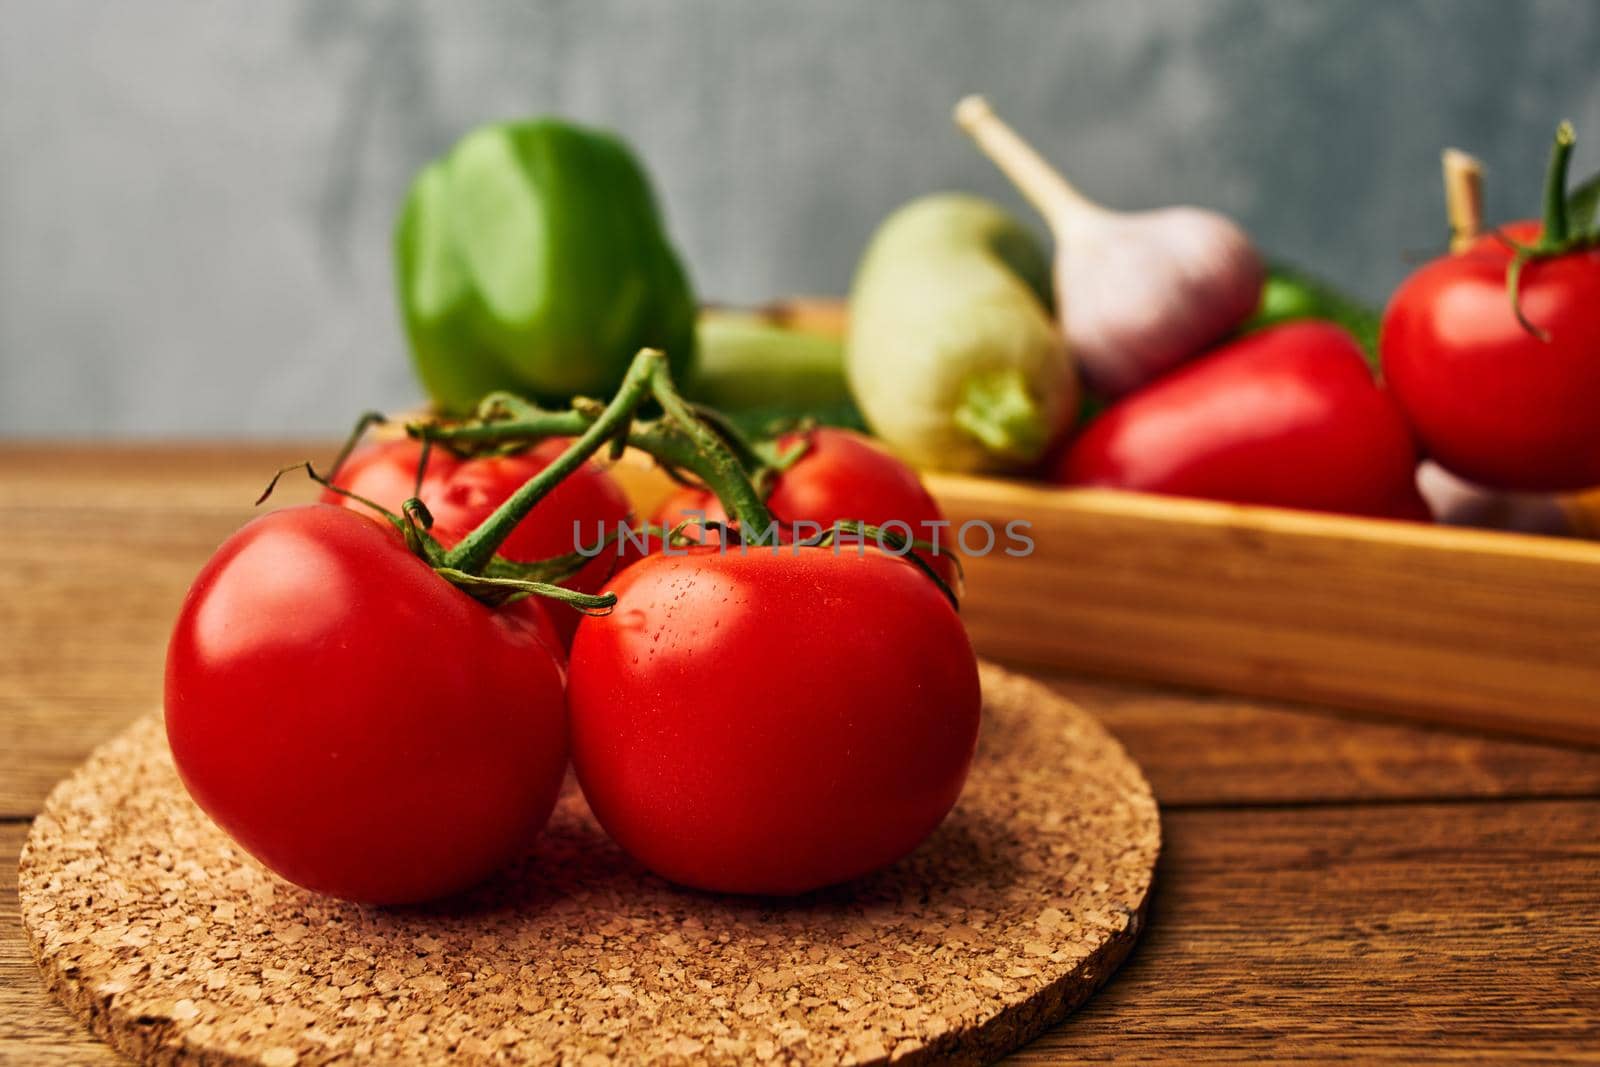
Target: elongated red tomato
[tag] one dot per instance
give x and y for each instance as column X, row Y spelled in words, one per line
column 1288, row 416
column 352, row 720
column 1491, row 401
column 772, row 723
column 842, row 476
column 461, row 493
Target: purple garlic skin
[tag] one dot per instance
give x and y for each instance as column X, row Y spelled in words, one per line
column 1141, row 293
column 1455, row 501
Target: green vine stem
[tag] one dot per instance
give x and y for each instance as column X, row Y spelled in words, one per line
column 365, row 422
column 473, row 553
column 509, row 420
column 1555, row 189
column 680, row 440
column 502, row 582
column 716, row 463
column 499, row 591
column 1556, row 236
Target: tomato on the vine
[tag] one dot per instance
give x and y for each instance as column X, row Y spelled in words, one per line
column 461, row 492
column 357, row 723
column 1494, row 352
column 774, row 720
column 346, row 700
column 1492, row 401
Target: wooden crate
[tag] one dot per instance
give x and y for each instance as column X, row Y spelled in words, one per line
column 1466, row 627
column 1459, row 626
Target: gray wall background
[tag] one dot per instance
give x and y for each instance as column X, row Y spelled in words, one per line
column 195, row 197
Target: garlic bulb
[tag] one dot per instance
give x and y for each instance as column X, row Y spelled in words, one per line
column 1455, row 501
column 1137, row 293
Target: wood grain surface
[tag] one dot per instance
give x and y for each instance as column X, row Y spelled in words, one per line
column 1332, row 888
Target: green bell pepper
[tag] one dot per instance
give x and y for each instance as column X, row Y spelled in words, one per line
column 532, row 258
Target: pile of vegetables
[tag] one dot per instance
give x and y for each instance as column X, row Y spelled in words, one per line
column 1212, row 376
column 766, row 688
column 1127, row 363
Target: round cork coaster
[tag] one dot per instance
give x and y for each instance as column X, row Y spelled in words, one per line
column 176, row 948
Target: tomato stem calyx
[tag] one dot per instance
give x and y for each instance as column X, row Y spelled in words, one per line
column 1556, row 236
column 496, row 591
column 367, row 420
column 909, row 549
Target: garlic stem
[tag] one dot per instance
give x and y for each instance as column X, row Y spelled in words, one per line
column 1050, row 193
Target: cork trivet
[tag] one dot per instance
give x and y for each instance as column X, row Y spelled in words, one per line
column 176, row 948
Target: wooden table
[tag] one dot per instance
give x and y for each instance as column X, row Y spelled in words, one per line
column 1332, row 888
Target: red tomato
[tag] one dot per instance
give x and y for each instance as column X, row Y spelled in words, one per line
column 772, row 723
column 352, row 720
column 1287, row 416
column 1491, row 401
column 586, row 506
column 688, row 504
column 842, row 475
